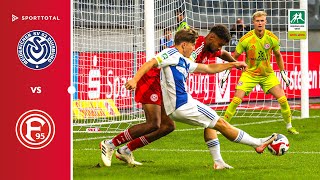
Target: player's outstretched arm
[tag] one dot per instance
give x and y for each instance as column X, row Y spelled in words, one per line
column 236, row 55
column 279, row 59
column 225, row 55
column 216, row 68
column 280, row 63
column 132, row 83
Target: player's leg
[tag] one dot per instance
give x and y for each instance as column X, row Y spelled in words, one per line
column 272, row 85
column 232, row 107
column 279, row 94
column 196, row 113
column 240, row 136
column 153, row 120
column 213, row 144
column 166, row 127
column 245, row 84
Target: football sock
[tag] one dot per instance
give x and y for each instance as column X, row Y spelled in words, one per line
column 231, row 110
column 289, row 125
column 138, row 143
column 245, row 138
column 122, row 138
column 214, row 148
column 285, row 110
column 110, row 144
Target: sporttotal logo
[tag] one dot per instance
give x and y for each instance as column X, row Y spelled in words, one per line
column 35, row 129
column 14, row 18
column 37, row 49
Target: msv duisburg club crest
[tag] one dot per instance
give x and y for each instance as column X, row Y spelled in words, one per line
column 37, row 49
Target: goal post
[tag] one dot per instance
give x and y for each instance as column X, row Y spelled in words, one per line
column 112, row 39
column 304, row 60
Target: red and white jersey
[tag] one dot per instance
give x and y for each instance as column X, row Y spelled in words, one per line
column 203, row 57
column 148, row 90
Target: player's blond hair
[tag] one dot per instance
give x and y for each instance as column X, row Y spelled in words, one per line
column 258, row 14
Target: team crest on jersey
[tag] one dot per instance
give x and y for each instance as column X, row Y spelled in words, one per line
column 37, row 49
column 267, row 46
column 240, row 83
column 154, row 97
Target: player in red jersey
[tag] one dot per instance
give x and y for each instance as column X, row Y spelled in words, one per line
column 158, row 124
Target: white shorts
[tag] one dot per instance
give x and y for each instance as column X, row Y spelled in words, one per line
column 195, row 113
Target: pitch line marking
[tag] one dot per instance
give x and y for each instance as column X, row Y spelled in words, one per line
column 194, row 129
column 202, row 150
column 182, row 130
column 93, row 138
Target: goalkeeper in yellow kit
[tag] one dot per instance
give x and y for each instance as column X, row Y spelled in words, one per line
column 258, row 44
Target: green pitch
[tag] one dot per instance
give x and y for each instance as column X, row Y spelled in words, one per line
column 184, row 155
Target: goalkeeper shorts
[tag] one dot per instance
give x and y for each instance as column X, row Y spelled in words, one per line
column 247, row 82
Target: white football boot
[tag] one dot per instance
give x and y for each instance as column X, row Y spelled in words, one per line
column 266, row 141
column 128, row 158
column 219, row 166
column 106, row 153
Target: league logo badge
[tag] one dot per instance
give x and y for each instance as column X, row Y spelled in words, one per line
column 37, row 49
column 35, row 129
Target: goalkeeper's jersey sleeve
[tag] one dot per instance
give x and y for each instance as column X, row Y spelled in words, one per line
column 258, row 52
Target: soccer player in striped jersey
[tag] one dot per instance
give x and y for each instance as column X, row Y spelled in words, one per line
column 178, row 104
column 258, row 45
column 158, row 124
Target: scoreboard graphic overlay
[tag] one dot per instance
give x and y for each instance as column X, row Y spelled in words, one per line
column 35, row 76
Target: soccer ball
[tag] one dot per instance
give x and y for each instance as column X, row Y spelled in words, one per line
column 279, row 146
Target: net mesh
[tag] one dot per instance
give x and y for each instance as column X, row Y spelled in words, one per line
column 108, row 47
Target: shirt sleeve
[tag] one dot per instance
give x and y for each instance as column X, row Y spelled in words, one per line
column 164, row 59
column 276, row 44
column 193, row 66
column 239, row 47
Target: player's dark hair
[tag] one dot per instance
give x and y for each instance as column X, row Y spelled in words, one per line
column 186, row 35
column 222, row 32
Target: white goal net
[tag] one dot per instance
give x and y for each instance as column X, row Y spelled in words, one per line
column 108, row 47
